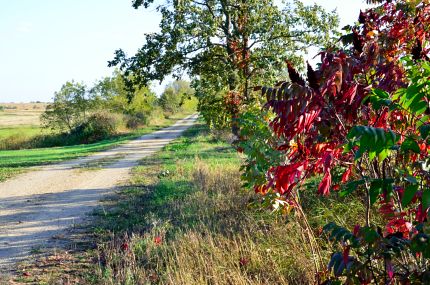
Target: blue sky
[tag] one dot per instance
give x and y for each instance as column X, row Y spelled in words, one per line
column 44, row 43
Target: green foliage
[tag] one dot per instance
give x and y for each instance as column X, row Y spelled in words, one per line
column 111, row 93
column 69, row 109
column 97, row 127
column 375, row 141
column 176, row 95
column 256, row 145
column 225, row 45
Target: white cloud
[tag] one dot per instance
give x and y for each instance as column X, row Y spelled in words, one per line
column 24, row 27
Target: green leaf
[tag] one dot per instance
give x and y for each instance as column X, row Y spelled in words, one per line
column 378, row 98
column 411, row 179
column 419, row 107
column 372, row 140
column 350, row 187
column 370, row 234
column 425, row 131
column 410, row 144
column 421, row 121
column 409, row 194
column 374, row 192
column 383, row 154
column 421, row 243
column 426, row 199
column 378, row 186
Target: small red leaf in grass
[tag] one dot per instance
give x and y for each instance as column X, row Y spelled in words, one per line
column 389, row 268
column 124, row 246
column 26, row 274
column 158, row 240
column 345, row 254
column 243, row 261
column 356, row 230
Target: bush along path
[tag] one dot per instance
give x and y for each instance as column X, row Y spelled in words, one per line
column 36, row 207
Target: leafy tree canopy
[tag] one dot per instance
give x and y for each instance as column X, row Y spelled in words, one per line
column 226, row 43
column 69, row 109
column 111, row 93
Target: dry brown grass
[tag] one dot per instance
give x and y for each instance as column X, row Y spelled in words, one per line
column 18, row 114
column 220, row 242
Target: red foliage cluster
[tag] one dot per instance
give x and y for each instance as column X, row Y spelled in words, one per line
column 232, row 102
column 315, row 118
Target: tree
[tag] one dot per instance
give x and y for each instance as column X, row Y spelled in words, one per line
column 69, row 109
column 174, row 95
column 226, row 45
column 111, row 93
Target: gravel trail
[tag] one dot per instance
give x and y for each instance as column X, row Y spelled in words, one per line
column 37, row 207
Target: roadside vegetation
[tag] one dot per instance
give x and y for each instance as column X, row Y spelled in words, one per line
column 80, row 114
column 185, row 219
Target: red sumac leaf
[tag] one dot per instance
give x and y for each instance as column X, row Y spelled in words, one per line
column 324, row 187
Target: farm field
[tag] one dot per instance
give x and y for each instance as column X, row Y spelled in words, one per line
column 21, row 114
column 20, row 120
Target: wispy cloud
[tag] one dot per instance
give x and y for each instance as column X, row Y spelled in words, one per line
column 24, row 27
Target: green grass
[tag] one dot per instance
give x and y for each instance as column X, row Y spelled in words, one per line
column 23, row 130
column 13, row 162
column 171, row 169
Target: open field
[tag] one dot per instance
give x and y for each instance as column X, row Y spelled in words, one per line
column 20, row 121
column 13, row 162
column 19, row 114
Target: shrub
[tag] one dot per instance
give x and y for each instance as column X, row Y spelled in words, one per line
column 361, row 123
column 136, row 120
column 97, row 127
column 13, row 142
column 132, row 123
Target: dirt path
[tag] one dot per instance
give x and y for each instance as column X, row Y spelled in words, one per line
column 38, row 206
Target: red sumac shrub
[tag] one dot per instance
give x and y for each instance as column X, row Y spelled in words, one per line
column 364, row 112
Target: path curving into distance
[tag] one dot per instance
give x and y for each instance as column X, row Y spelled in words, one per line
column 39, row 205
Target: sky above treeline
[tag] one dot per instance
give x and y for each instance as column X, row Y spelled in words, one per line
column 45, row 43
